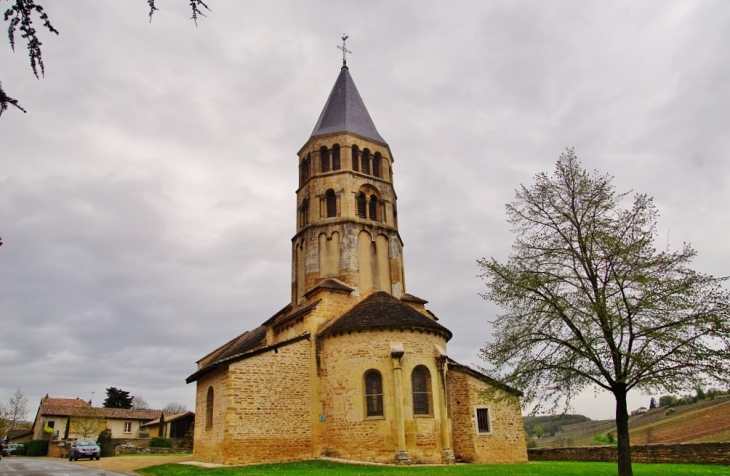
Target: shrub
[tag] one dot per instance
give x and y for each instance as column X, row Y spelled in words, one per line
column 160, row 442
column 105, row 442
column 610, row 436
column 36, row 448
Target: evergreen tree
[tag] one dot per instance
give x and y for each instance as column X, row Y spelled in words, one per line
column 117, row 398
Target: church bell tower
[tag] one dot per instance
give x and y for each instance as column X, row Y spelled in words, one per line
column 347, row 220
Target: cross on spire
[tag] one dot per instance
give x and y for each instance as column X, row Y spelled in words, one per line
column 344, row 50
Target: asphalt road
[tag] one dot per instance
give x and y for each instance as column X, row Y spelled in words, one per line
column 20, row 466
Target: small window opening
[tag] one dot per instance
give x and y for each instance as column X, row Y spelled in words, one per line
column 373, row 393
column 365, row 161
column 421, row 384
column 209, row 409
column 373, row 208
column 331, row 200
column 361, row 205
column 355, row 158
column 483, row 425
column 376, row 165
column 336, row 157
column 324, row 157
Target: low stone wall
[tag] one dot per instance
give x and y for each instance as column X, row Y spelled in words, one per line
column 700, row 453
column 141, row 446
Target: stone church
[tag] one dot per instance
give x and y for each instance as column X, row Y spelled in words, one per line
column 354, row 367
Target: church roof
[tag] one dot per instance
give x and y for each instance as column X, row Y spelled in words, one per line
column 243, row 343
column 345, row 111
column 383, row 310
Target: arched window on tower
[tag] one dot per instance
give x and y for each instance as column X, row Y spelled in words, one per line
column 421, row 385
column 336, row 157
column 365, row 161
column 355, row 158
column 324, row 157
column 209, row 409
column 376, row 165
column 304, row 214
column 331, row 203
column 373, row 393
column 361, row 205
column 373, row 208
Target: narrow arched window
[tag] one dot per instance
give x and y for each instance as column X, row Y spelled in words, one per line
column 308, row 167
column 373, row 208
column 304, row 214
column 421, row 385
column 324, row 157
column 209, row 409
column 331, row 201
column 361, row 205
column 373, row 393
column 355, row 158
column 336, row 157
column 365, row 161
column 376, row 165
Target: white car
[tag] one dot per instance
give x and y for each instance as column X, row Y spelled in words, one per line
column 84, row 449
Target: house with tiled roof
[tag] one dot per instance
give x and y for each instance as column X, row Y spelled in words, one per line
column 71, row 418
column 354, row 366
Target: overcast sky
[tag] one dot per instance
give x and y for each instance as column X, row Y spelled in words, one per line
column 147, row 198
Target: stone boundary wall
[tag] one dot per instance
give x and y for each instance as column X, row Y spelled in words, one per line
column 699, row 453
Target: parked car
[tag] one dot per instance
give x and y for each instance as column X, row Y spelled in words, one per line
column 84, row 449
column 16, row 448
column 4, row 451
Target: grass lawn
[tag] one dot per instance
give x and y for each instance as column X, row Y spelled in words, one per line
column 537, row 468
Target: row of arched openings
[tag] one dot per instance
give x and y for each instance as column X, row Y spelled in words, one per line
column 367, row 206
column 331, row 160
column 420, row 388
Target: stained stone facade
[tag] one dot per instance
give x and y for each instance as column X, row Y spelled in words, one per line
column 353, row 367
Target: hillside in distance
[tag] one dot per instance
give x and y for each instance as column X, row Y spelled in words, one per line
column 704, row 421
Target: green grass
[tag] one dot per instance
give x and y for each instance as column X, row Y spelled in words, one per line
column 537, row 468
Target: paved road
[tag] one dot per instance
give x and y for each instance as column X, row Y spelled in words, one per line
column 20, row 466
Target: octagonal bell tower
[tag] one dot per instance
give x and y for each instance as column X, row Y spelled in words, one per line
column 347, row 220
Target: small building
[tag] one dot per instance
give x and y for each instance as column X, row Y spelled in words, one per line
column 73, row 418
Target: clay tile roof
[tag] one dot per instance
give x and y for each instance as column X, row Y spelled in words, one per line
column 332, row 284
column 130, row 414
column 243, row 343
column 66, row 402
column 383, row 310
column 345, row 111
column 411, row 298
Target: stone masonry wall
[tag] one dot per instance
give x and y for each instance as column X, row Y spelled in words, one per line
column 208, row 446
column 698, row 453
column 347, row 431
column 506, row 441
column 269, row 412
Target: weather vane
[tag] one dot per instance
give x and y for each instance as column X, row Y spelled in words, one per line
column 344, row 49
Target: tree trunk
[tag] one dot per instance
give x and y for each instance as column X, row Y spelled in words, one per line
column 622, row 431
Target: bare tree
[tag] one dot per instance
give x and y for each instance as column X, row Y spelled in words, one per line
column 86, row 422
column 139, row 403
column 175, row 407
column 20, row 17
column 16, row 409
column 590, row 302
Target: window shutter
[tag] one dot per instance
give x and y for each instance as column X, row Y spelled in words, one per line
column 373, row 205
column 336, row 157
column 361, row 207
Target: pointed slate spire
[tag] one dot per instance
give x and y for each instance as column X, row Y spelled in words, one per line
column 345, row 111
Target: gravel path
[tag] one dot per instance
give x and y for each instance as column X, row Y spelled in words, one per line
column 127, row 464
